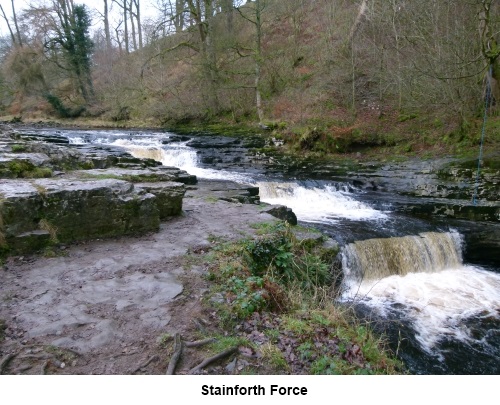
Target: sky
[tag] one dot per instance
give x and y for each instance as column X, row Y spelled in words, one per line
column 147, row 10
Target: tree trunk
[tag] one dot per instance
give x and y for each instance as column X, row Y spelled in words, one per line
column 258, row 60
column 179, row 15
column 398, row 55
column 117, row 32
column 491, row 50
column 14, row 16
column 207, row 50
column 132, row 24
column 13, row 38
column 357, row 21
column 212, row 56
column 139, row 24
column 107, row 32
column 227, row 9
column 125, row 26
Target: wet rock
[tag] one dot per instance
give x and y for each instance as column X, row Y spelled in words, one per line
column 308, row 238
column 75, row 157
column 440, row 178
column 482, row 240
column 457, row 209
column 175, row 138
column 282, row 212
column 230, row 191
column 48, row 138
column 96, row 202
column 214, row 142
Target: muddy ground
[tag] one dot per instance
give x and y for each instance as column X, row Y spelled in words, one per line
column 105, row 306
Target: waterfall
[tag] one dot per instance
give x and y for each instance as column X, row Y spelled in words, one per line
column 321, row 203
column 423, row 274
column 383, row 257
column 178, row 155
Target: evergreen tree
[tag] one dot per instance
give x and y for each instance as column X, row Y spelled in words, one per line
column 72, row 37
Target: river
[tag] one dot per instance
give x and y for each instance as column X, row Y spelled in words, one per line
column 419, row 281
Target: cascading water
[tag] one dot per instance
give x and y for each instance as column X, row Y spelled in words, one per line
column 414, row 282
column 383, row 257
column 324, row 203
column 422, row 279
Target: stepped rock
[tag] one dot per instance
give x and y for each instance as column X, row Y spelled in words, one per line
column 32, row 213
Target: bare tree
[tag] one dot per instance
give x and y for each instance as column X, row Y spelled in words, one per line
column 137, row 15
column 257, row 7
column 490, row 47
column 180, row 6
column 132, row 24
column 107, row 31
column 13, row 38
column 227, row 7
column 124, row 6
column 14, row 17
column 202, row 12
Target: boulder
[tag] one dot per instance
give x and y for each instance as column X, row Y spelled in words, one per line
column 282, row 212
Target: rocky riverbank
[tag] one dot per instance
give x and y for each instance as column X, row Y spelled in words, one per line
column 126, row 250
column 115, row 241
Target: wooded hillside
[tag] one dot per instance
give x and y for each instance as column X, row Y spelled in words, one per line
column 297, row 63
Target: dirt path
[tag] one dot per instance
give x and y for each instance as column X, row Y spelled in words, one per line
column 103, row 306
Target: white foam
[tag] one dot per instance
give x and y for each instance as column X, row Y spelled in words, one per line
column 317, row 204
column 77, row 140
column 437, row 303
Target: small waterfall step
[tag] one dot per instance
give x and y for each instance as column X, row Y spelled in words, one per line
column 382, row 257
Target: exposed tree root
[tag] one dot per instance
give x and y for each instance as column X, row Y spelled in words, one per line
column 200, row 324
column 6, row 360
column 198, row 343
column 40, row 356
column 209, row 360
column 21, row 369
column 146, row 363
column 74, row 352
column 44, row 367
column 178, row 346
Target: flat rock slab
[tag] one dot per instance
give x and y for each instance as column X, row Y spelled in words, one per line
column 229, row 191
column 153, row 174
column 37, row 159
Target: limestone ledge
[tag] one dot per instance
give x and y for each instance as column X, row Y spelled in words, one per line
column 36, row 213
column 152, row 174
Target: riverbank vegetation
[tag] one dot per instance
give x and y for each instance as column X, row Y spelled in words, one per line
column 326, row 77
column 274, row 299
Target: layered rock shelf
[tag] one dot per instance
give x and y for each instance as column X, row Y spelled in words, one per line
column 35, row 213
column 51, row 192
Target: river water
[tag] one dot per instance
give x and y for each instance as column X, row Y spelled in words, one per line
column 405, row 275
